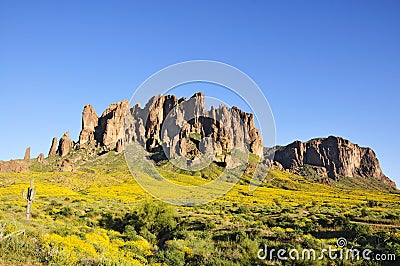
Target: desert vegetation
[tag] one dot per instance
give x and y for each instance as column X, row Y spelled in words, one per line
column 99, row 215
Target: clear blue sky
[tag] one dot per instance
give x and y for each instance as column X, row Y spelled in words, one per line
column 326, row 67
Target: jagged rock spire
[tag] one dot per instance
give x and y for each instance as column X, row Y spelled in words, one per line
column 90, row 121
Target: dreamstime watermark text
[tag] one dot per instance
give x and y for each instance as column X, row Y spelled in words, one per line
column 341, row 252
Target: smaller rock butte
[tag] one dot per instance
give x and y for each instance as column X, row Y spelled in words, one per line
column 338, row 156
column 14, row 166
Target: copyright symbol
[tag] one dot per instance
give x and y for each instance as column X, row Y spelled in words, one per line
column 341, row 242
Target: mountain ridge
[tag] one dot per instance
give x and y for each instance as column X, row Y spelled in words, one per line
column 159, row 126
column 335, row 156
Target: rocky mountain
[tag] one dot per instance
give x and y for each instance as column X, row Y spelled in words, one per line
column 169, row 127
column 182, row 127
column 333, row 157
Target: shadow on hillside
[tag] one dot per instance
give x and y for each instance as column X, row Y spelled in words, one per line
column 109, row 222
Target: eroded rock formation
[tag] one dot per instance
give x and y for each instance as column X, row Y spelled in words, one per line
column 170, row 127
column 27, row 155
column 53, row 148
column 40, row 158
column 110, row 126
column 338, row 156
column 185, row 127
column 65, row 145
column 13, row 166
column 179, row 124
column 90, row 121
column 66, row 165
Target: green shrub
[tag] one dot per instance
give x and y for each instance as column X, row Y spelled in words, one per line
column 130, row 232
column 19, row 250
column 66, row 211
column 154, row 220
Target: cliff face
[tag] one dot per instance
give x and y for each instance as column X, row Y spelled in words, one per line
column 181, row 126
column 110, row 128
column 185, row 127
column 338, row 156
